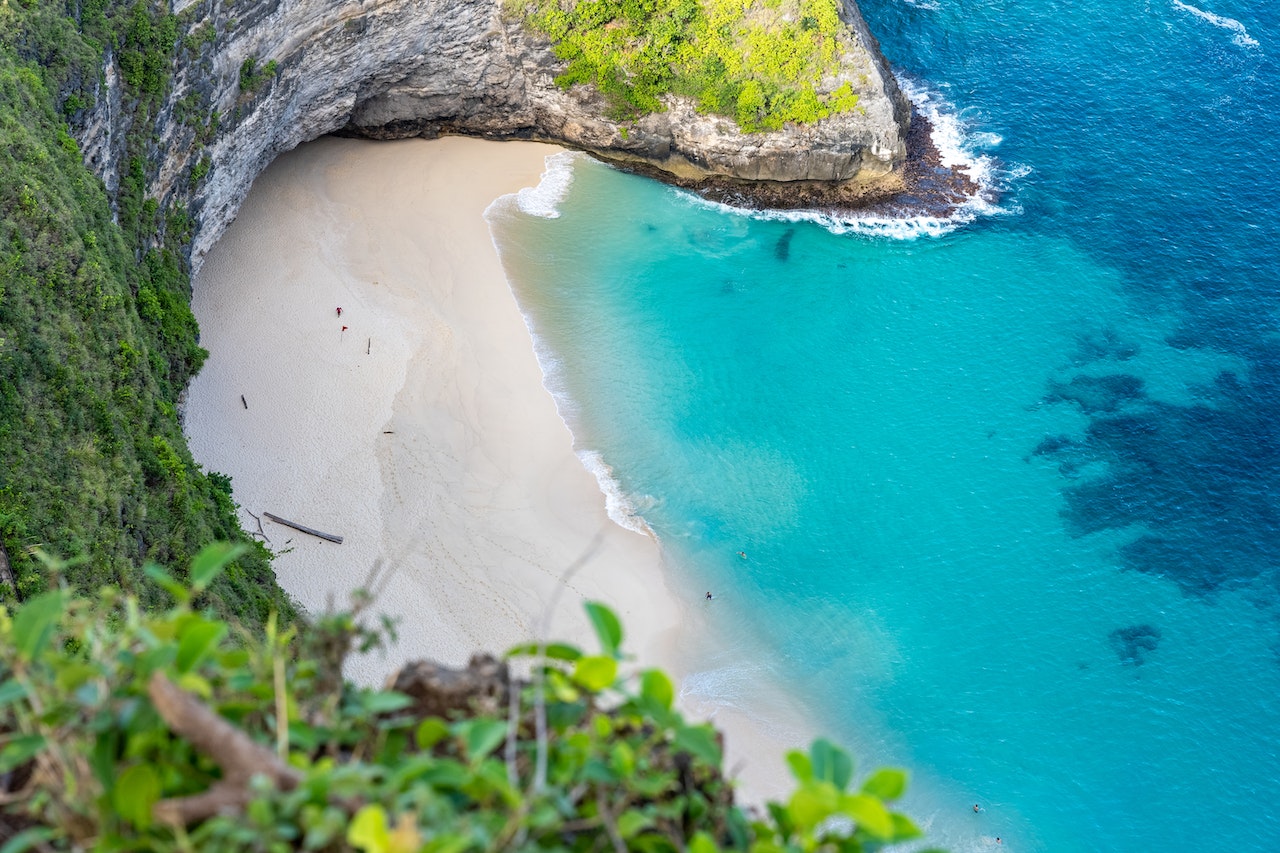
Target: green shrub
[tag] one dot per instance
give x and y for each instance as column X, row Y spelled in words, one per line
column 760, row 63
column 252, row 77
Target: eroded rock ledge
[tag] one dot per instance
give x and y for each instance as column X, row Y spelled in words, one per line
column 395, row 68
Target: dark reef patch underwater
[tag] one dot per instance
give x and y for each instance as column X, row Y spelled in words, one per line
column 1200, row 480
column 1131, row 644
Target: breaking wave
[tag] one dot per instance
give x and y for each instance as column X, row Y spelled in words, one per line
column 1241, row 37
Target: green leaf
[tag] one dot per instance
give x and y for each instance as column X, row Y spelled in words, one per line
column 595, row 673
column 72, row 674
column 135, row 792
column 632, row 821
column 813, row 803
column 210, row 562
column 171, row 586
column 801, row 766
column 304, row 737
column 700, row 740
column 482, row 737
column 430, row 731
column 103, row 758
column 11, row 691
column 903, row 828
column 368, row 830
column 702, row 843
column 199, row 639
column 34, row 624
column 761, row 845
column 19, row 750
column 384, row 701
column 657, row 688
column 608, row 628
column 28, row 839
column 886, row 783
column 446, row 775
column 446, row 843
column 622, row 758
column 780, row 817
column 831, row 763
column 553, row 651
column 560, row 687
column 869, row 813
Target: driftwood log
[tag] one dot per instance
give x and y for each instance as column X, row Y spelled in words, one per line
column 332, row 537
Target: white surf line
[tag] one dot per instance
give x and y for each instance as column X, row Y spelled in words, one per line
column 1241, row 37
column 544, row 199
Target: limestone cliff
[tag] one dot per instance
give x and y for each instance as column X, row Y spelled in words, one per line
column 395, row 68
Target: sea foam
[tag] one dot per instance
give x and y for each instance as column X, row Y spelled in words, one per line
column 616, row 503
column 544, row 199
column 1241, row 37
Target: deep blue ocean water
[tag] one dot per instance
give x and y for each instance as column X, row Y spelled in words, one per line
column 1008, row 491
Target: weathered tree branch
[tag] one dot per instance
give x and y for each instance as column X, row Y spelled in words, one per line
column 240, row 757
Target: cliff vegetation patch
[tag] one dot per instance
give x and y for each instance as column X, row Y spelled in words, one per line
column 97, row 339
column 761, row 62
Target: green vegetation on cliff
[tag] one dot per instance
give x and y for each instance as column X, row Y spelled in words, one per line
column 173, row 731
column 761, row 62
column 97, row 340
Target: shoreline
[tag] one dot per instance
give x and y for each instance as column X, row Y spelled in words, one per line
column 416, row 423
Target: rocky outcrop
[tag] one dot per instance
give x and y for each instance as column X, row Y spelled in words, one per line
column 395, row 68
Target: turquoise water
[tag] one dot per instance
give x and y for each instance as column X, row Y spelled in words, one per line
column 1007, row 490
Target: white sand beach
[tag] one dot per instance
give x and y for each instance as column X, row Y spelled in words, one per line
column 415, row 424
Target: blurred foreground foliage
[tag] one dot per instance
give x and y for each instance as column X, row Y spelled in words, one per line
column 587, row 754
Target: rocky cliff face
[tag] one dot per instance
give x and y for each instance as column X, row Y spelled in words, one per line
column 396, row 68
